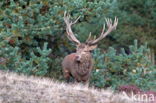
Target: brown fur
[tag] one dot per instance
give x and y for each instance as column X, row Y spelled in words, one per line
column 79, row 65
column 79, row 70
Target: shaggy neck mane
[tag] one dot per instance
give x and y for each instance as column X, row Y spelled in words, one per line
column 82, row 68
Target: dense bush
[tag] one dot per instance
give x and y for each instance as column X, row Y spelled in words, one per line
column 36, row 64
column 113, row 69
column 27, row 25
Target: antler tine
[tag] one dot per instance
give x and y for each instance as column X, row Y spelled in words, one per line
column 103, row 29
column 88, row 41
column 110, row 27
column 76, row 20
column 89, row 37
column 116, row 22
column 69, row 31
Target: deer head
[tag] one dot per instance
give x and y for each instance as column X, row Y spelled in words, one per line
column 79, row 64
column 89, row 45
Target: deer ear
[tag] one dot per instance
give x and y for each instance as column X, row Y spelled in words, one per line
column 92, row 47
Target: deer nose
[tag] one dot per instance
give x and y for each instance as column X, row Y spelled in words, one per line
column 78, row 58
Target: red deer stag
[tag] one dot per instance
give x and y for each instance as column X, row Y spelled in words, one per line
column 79, row 65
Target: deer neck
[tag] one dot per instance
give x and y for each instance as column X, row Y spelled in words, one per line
column 83, row 67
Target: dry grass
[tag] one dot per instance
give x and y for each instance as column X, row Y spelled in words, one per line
column 22, row 89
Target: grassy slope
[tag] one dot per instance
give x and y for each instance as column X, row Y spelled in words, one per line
column 22, row 89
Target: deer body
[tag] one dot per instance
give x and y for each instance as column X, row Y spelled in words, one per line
column 80, row 70
column 79, row 65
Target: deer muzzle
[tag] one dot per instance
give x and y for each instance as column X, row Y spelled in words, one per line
column 78, row 58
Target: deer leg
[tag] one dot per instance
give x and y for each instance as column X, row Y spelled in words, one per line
column 66, row 75
column 86, row 83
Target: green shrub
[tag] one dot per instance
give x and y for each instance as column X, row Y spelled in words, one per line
column 25, row 26
column 36, row 64
column 113, row 69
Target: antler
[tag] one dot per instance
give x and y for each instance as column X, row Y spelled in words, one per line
column 110, row 26
column 69, row 23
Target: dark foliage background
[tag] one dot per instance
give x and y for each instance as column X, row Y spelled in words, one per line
column 33, row 41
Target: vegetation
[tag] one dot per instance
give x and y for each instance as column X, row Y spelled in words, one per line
column 21, row 89
column 114, row 69
column 33, row 41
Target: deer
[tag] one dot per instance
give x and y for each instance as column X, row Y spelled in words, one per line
column 80, row 64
